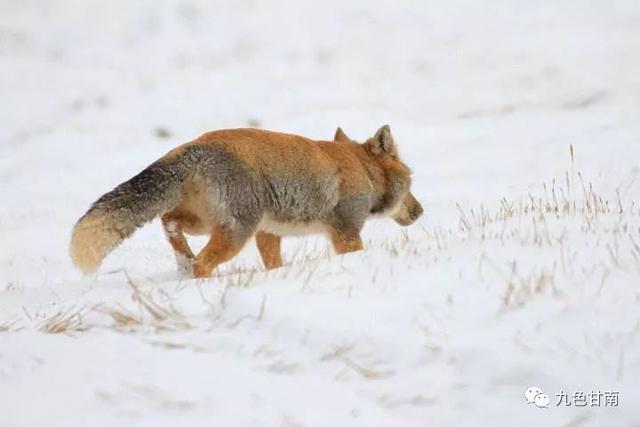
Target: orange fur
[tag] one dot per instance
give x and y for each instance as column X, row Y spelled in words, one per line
column 345, row 242
column 269, row 247
column 219, row 249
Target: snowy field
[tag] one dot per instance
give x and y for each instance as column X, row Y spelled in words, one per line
column 520, row 120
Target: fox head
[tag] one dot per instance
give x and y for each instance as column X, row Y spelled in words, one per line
column 392, row 181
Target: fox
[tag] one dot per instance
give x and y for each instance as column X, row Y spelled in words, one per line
column 234, row 184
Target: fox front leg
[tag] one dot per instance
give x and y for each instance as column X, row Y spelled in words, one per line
column 346, row 241
column 347, row 221
column 269, row 247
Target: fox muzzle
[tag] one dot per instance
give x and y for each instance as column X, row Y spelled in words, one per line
column 410, row 210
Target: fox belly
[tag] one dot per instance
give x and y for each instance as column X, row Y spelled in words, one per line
column 291, row 228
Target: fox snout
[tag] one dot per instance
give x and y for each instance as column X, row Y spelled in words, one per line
column 410, row 210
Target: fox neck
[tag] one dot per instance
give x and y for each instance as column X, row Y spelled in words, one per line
column 388, row 183
column 387, row 196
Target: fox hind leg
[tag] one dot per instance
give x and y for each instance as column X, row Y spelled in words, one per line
column 175, row 235
column 269, row 247
column 224, row 244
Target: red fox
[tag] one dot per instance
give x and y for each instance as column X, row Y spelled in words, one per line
column 237, row 183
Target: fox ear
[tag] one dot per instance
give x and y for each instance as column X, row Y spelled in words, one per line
column 382, row 142
column 340, row 135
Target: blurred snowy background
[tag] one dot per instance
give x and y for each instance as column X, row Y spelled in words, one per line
column 524, row 271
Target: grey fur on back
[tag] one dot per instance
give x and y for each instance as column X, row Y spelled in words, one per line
column 240, row 193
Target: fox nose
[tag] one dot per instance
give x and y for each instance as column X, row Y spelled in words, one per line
column 415, row 212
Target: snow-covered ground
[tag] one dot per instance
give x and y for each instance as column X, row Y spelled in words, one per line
column 524, row 270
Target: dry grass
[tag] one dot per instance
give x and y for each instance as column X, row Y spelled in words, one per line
column 163, row 316
column 121, row 316
column 255, row 318
column 521, row 289
column 366, row 372
column 573, row 222
column 11, row 325
column 151, row 312
column 557, row 201
column 343, row 353
column 64, row 322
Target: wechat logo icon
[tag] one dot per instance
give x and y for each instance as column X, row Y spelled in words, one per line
column 537, row 397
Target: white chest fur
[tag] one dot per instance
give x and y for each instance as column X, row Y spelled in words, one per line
column 269, row 225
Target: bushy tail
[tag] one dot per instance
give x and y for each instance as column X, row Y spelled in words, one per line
column 118, row 213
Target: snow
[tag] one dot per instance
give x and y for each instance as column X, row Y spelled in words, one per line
column 446, row 322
